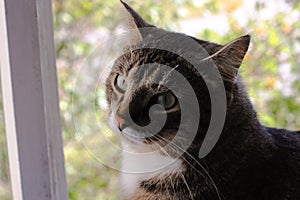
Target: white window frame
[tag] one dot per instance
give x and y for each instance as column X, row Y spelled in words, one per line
column 30, row 98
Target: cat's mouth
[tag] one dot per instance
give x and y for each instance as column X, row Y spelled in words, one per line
column 134, row 135
column 126, row 133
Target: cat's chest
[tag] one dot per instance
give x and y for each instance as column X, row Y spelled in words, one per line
column 150, row 166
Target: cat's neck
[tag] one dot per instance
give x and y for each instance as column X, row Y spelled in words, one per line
column 242, row 122
column 242, row 129
column 244, row 143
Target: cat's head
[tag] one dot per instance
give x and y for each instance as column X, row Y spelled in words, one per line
column 160, row 74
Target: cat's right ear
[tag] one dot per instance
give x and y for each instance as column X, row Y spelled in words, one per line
column 135, row 20
column 136, row 23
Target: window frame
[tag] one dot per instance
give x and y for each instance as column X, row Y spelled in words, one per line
column 30, row 99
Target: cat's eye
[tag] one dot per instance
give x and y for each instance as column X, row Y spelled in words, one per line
column 120, row 83
column 167, row 100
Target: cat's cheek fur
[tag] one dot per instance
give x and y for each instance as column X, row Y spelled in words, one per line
column 113, row 124
column 147, row 168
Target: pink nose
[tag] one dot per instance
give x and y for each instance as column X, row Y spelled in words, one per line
column 121, row 123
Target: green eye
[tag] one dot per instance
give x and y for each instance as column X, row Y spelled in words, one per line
column 167, row 100
column 120, row 83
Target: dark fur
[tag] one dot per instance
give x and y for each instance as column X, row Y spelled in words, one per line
column 249, row 161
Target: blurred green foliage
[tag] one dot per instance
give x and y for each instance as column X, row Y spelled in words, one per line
column 271, row 71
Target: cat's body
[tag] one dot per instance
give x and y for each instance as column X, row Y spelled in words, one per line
column 249, row 161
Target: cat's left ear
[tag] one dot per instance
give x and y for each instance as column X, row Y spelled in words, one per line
column 230, row 57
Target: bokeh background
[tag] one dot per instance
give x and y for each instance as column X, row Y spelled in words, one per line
column 271, row 70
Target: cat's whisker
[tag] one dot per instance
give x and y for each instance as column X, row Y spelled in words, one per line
column 159, row 148
column 188, row 162
column 187, row 185
column 172, row 184
column 207, row 173
column 163, row 81
column 179, row 171
column 170, row 177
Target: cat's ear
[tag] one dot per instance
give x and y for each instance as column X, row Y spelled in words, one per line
column 230, row 57
column 135, row 20
column 136, row 24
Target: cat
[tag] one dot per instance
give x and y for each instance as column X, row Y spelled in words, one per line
column 249, row 161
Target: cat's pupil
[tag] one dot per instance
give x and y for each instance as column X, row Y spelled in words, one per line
column 121, row 84
column 167, row 100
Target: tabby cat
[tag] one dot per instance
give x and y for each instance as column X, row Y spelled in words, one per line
column 249, row 161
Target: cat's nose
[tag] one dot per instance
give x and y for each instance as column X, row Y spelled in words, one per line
column 121, row 123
